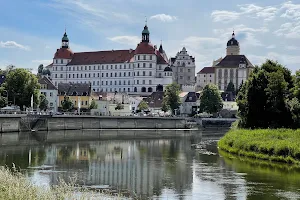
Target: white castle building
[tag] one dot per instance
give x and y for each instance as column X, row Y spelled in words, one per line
column 140, row 71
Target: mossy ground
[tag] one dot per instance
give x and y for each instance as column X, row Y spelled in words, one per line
column 279, row 145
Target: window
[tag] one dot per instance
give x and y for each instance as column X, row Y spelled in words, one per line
column 61, row 68
column 102, row 75
column 86, row 103
column 150, row 82
column 111, row 66
column 98, row 82
column 150, row 65
column 115, row 82
column 102, row 67
column 124, row 82
column 159, row 67
column 189, row 63
column 120, row 66
column 144, row 73
column 93, row 82
column 94, row 67
column 137, row 82
column 144, row 57
column 84, row 75
column 106, row 82
column 128, row 82
column 98, row 74
column 69, row 75
column 94, row 75
column 85, row 67
column 61, row 61
column 106, row 74
column 138, row 73
column 116, row 67
column 124, row 66
column 128, row 90
column 120, row 83
column 120, row 74
column 89, row 67
column 189, row 78
column 110, row 82
column 56, row 61
column 144, row 81
column 159, row 75
column 124, row 73
column 150, row 57
column 82, row 103
column 181, row 70
column 101, row 82
column 204, row 81
column 73, row 75
column 106, row 66
column 138, row 57
column 204, row 75
column 150, row 73
column 111, row 74
column 89, row 75
column 144, row 65
column 80, row 75
column 61, row 76
column 209, row 75
column 138, row 65
column 189, row 70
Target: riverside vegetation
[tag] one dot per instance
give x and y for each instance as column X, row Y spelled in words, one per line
column 269, row 116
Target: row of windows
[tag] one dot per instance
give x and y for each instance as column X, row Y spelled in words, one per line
column 45, row 93
column 138, row 57
column 181, row 77
column 226, row 73
column 116, row 82
column 144, row 73
column 143, row 89
column 107, row 67
column 75, row 103
column 181, row 70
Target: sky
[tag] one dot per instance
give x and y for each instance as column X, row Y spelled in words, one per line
column 31, row 30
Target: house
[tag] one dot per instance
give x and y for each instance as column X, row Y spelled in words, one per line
column 78, row 93
column 155, row 101
column 50, row 91
column 205, row 76
column 190, row 104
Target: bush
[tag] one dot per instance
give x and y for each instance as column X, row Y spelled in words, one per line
column 281, row 145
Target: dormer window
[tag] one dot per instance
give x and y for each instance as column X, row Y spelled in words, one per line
column 242, row 66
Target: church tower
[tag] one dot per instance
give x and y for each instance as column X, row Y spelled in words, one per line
column 146, row 34
column 65, row 41
column 233, row 46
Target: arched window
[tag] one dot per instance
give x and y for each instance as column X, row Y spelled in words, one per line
column 159, row 88
column 150, row 89
column 135, row 89
column 143, row 89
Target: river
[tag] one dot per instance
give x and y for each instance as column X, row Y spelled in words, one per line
column 152, row 168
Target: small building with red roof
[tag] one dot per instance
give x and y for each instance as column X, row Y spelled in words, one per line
column 205, row 76
column 141, row 71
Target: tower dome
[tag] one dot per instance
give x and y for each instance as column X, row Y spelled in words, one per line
column 233, row 46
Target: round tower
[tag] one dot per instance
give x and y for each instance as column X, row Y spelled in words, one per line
column 233, row 46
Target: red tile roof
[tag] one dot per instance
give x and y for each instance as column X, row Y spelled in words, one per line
column 63, row 53
column 99, row 57
column 144, row 48
column 207, row 70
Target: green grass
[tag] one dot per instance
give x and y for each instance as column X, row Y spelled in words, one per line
column 279, row 145
column 14, row 185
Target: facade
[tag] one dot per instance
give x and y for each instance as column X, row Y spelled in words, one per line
column 50, row 92
column 183, row 67
column 205, row 76
column 190, row 104
column 140, row 71
column 78, row 93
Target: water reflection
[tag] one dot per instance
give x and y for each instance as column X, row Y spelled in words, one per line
column 155, row 168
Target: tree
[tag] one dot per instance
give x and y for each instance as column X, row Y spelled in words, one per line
column 210, row 99
column 67, row 104
column 171, row 97
column 297, row 85
column 40, row 69
column 21, row 85
column 230, row 87
column 43, row 102
column 165, row 107
column 3, row 97
column 93, row 105
column 46, row 72
column 143, row 105
column 263, row 98
column 119, row 106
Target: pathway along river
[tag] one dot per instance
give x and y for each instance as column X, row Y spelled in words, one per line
column 154, row 168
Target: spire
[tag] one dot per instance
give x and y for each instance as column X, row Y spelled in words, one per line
column 233, row 35
column 65, row 40
column 145, row 33
column 161, row 50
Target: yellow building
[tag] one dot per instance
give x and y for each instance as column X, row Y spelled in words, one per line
column 78, row 93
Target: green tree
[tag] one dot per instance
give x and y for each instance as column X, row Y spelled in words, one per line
column 263, row 98
column 119, row 106
column 297, row 85
column 210, row 99
column 43, row 104
column 230, row 87
column 40, row 69
column 46, row 72
column 21, row 85
column 165, row 107
column 171, row 97
column 93, row 105
column 3, row 97
column 143, row 105
column 67, row 104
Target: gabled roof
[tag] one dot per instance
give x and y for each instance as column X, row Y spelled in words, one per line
column 207, row 70
column 102, row 57
column 155, row 99
column 47, row 81
column 192, row 97
column 234, row 61
column 74, row 89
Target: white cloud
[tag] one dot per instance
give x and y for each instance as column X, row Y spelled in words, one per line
column 224, row 16
column 201, row 42
column 292, row 48
column 289, row 30
column 164, row 17
column 44, row 62
column 125, row 39
column 267, row 13
column 13, row 44
column 291, row 11
column 271, row 46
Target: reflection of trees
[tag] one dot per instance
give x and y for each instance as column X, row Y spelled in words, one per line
column 272, row 175
column 65, row 153
column 20, row 159
column 38, row 157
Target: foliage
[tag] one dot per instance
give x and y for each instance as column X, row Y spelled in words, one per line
column 43, row 105
column 297, row 85
column 210, row 100
column 143, row 105
column 93, row 105
column 171, row 97
column 263, row 98
column 43, row 71
column 67, row 104
column 230, row 87
column 3, row 97
column 281, row 145
column 119, row 106
column 165, row 107
column 40, row 69
column 21, row 85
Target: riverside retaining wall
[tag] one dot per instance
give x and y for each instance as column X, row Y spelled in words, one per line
column 12, row 123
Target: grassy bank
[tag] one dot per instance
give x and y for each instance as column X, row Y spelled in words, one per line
column 280, row 145
column 14, row 185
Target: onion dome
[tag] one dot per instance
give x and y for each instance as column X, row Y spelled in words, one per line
column 167, row 69
column 233, row 41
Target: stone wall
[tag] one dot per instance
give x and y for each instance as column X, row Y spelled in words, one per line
column 12, row 123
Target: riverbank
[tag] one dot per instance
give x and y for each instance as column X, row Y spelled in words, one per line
column 278, row 145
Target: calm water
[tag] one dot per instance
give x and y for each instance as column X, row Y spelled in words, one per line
column 151, row 169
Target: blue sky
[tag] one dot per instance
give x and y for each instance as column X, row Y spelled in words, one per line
column 31, row 30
